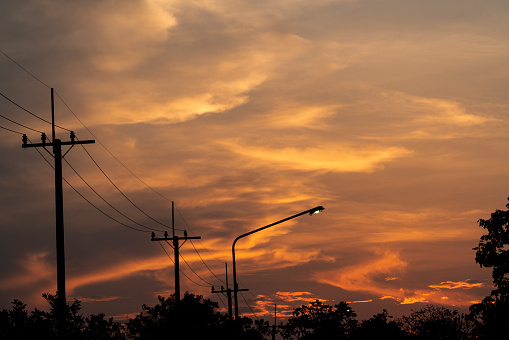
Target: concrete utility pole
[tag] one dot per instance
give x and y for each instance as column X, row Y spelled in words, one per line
column 176, row 248
column 275, row 323
column 59, row 207
column 228, row 292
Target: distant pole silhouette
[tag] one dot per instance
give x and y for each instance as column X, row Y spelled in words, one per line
column 228, row 292
column 59, row 208
column 235, row 284
column 176, row 247
column 275, row 323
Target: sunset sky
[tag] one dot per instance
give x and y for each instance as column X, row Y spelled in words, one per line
column 392, row 114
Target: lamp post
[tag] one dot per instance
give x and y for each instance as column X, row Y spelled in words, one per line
column 235, row 284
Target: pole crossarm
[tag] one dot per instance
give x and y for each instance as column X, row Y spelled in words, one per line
column 36, row 145
column 175, row 237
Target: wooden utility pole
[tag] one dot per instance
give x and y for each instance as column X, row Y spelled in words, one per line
column 175, row 245
column 59, row 207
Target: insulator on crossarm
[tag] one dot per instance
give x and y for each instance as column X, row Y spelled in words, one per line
column 73, row 136
column 25, row 139
column 165, row 234
column 153, row 235
column 43, row 138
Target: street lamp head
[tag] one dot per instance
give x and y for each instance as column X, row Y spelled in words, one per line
column 316, row 210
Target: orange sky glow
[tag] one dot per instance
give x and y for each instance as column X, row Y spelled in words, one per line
column 392, row 115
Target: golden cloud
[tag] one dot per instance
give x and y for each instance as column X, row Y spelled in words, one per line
column 265, row 303
column 361, row 277
column 456, row 285
column 324, row 158
column 449, row 112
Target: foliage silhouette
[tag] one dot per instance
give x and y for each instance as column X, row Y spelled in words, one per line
column 320, row 321
column 379, row 327
column 492, row 312
column 193, row 317
column 435, row 323
column 18, row 324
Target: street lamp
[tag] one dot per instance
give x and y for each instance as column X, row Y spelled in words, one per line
column 235, row 284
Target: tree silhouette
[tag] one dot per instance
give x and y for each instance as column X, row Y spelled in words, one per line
column 492, row 252
column 18, row 324
column 435, row 323
column 193, row 317
column 320, row 321
column 379, row 327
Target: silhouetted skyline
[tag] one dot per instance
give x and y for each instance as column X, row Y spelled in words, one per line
column 391, row 115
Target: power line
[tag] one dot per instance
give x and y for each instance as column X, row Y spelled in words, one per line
column 104, row 200
column 24, row 69
column 12, row 121
column 1, row 127
column 196, row 283
column 93, row 205
column 81, row 122
column 206, row 263
column 251, row 309
column 203, row 246
column 191, row 267
column 210, row 270
column 111, row 154
column 121, row 192
column 33, row 114
column 46, row 121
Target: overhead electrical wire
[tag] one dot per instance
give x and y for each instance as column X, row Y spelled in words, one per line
column 26, row 127
column 153, row 229
column 31, row 113
column 195, row 273
column 192, row 232
column 251, row 309
column 120, row 162
column 107, row 150
column 196, row 283
column 24, row 69
column 210, row 270
column 120, row 191
column 81, row 122
column 224, row 304
column 1, row 127
column 88, row 201
column 104, row 200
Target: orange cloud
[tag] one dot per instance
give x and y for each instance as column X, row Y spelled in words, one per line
column 36, row 271
column 456, row 285
column 265, row 303
column 361, row 277
column 335, row 158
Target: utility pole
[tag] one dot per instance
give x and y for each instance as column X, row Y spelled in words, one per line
column 275, row 323
column 228, row 292
column 59, row 207
column 176, row 247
